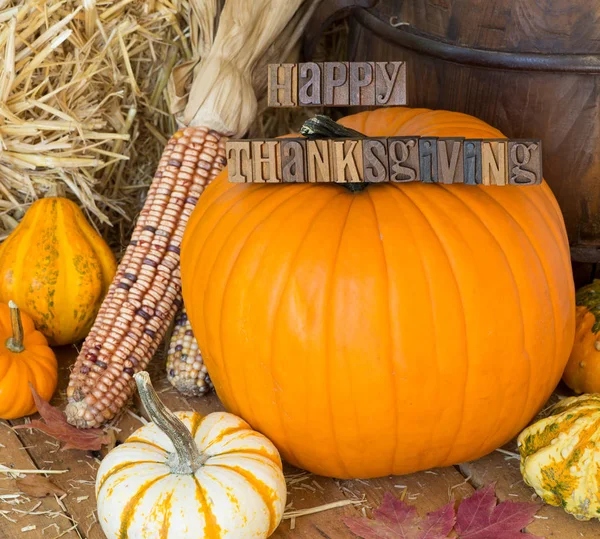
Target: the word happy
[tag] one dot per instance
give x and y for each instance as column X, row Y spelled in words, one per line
column 337, row 84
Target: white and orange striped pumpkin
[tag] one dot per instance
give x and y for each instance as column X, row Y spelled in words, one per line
column 190, row 476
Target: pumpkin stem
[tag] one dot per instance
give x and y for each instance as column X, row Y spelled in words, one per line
column 187, row 458
column 15, row 343
column 56, row 190
column 321, row 127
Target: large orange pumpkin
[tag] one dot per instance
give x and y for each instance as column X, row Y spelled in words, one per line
column 395, row 329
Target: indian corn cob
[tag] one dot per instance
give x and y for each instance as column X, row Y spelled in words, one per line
column 185, row 369
column 146, row 291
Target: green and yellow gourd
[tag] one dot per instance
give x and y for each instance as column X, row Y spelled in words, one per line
column 560, row 456
column 57, row 269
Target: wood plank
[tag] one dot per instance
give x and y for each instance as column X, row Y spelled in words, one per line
column 427, row 491
column 504, row 471
column 49, row 515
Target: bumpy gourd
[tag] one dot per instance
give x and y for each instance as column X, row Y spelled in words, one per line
column 57, row 269
column 582, row 373
column 25, row 358
column 560, row 455
column 185, row 475
column 393, row 329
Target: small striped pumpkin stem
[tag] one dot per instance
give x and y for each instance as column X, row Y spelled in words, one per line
column 187, row 458
column 146, row 291
column 185, row 368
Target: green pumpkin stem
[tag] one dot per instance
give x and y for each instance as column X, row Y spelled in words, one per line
column 321, row 127
column 187, row 458
column 15, row 343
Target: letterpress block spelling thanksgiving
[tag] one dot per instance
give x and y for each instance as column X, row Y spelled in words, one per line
column 266, row 161
column 347, row 161
column 472, row 161
column 375, row 160
column 450, row 160
column 239, row 161
column 385, row 159
column 293, row 160
column 428, row 159
column 318, row 161
column 524, row 159
column 493, row 162
column 403, row 153
column 337, row 84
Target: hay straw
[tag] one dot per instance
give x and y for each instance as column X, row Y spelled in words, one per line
column 83, row 102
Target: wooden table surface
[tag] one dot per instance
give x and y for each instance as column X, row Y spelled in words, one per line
column 73, row 516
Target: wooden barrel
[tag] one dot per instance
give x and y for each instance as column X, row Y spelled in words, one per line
column 529, row 68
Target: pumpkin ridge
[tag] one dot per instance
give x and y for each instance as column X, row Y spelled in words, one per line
column 120, row 467
column 400, row 193
column 129, row 509
column 282, row 293
column 138, row 440
column 225, row 432
column 267, row 494
column 212, row 530
column 265, row 196
column 196, row 422
column 471, row 209
column 548, row 280
column 391, row 344
column 268, row 196
column 252, row 451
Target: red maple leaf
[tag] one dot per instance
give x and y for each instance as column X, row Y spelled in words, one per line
column 55, row 425
column 394, row 519
column 479, row 517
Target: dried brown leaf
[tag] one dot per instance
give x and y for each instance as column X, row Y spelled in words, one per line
column 55, row 425
column 37, row 486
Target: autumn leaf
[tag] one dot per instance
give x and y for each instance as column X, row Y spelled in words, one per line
column 394, row 519
column 55, row 424
column 37, row 486
column 479, row 517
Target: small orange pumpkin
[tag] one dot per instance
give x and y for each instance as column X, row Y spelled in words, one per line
column 382, row 331
column 25, row 357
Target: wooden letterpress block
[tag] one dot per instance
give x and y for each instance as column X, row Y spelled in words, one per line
column 336, row 91
column 318, row 161
column 375, row 160
column 266, row 161
column 347, row 160
column 450, row 160
column 428, row 159
column 524, row 162
column 362, row 83
column 283, row 85
column 390, row 83
column 493, row 162
column 310, row 84
column 403, row 155
column 293, row 160
column 239, row 161
column 472, row 161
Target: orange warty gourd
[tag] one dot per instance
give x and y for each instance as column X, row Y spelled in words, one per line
column 395, row 329
column 25, row 357
column 582, row 373
column 57, row 269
